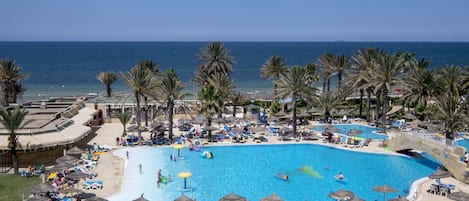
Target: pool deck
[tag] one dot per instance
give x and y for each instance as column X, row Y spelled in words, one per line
column 111, row 168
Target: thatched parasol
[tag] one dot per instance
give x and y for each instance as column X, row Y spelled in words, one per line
column 440, row 173
column 341, row 195
column 75, row 151
column 233, row 197
column 42, row 188
column 459, row 196
column 66, row 159
column 141, row 198
column 272, row 197
column 183, row 198
column 61, row 166
column 384, row 189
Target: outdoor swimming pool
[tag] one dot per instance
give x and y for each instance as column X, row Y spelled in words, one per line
column 249, row 171
column 368, row 132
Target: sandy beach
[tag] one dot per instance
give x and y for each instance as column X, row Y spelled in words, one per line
column 111, row 168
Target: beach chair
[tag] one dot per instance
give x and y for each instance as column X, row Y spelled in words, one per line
column 93, row 185
column 443, row 185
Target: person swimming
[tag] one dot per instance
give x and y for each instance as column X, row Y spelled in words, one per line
column 340, row 176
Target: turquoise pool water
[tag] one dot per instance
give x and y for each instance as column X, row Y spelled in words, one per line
column 249, row 171
column 463, row 143
column 368, row 132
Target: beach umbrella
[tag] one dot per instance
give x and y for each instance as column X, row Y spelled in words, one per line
column 440, row 173
column 61, row 166
column 95, row 199
column 459, row 196
column 71, row 190
column 185, row 175
column 341, row 195
column 75, row 151
column 42, row 188
column 399, row 199
column 37, row 198
column 178, row 147
column 76, row 175
column 183, row 198
column 233, row 197
column 272, row 197
column 85, row 196
column 384, row 189
column 354, row 132
column 141, row 198
column 66, row 159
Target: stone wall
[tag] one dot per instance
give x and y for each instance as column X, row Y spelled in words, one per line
column 448, row 156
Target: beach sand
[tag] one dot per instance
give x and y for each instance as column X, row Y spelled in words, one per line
column 111, row 168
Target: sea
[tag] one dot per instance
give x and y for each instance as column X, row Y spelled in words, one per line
column 70, row 68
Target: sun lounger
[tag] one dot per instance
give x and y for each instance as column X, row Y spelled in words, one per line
column 93, row 184
column 443, row 185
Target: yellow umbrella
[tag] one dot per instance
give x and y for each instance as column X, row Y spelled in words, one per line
column 185, row 175
column 178, row 147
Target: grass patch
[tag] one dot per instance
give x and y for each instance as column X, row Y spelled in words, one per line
column 12, row 187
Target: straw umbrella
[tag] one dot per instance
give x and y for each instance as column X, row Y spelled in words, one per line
column 96, row 199
column 183, row 198
column 341, row 195
column 272, row 197
column 440, row 173
column 233, row 197
column 459, row 196
column 384, row 189
column 61, row 166
column 66, row 159
column 141, row 198
column 75, row 151
column 37, row 198
column 42, row 188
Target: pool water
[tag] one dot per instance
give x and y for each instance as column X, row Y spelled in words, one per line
column 368, row 132
column 249, row 171
column 463, row 143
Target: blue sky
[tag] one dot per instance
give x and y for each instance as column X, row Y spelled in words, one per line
column 234, row 20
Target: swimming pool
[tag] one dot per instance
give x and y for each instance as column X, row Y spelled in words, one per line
column 368, row 132
column 463, row 143
column 249, row 171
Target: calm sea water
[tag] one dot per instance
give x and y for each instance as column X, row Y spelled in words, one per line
column 70, row 68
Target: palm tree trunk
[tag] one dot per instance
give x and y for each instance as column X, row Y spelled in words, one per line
column 339, row 85
column 294, row 116
column 145, row 109
column 170, row 115
column 14, row 158
column 378, row 104
column 139, row 132
column 328, row 85
column 209, row 124
column 234, row 110
column 368, row 104
column 385, row 108
column 361, row 103
column 108, row 90
column 324, row 85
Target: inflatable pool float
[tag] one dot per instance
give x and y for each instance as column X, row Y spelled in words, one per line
column 195, row 148
column 341, row 180
column 281, row 177
column 310, row 171
column 207, row 154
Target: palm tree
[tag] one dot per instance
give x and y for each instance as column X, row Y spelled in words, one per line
column 340, row 66
column 140, row 80
column 295, row 83
column 362, row 62
column 236, row 99
column 324, row 62
column 421, row 86
column 326, row 102
column 384, row 75
column 154, row 69
column 10, row 78
column 224, row 86
column 210, row 104
column 13, row 120
column 273, row 68
column 170, row 89
column 215, row 60
column 450, row 111
column 107, row 78
column 124, row 118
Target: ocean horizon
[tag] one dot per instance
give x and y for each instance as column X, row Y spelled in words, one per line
column 70, row 68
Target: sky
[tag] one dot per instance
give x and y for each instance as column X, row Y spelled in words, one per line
column 234, row 20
